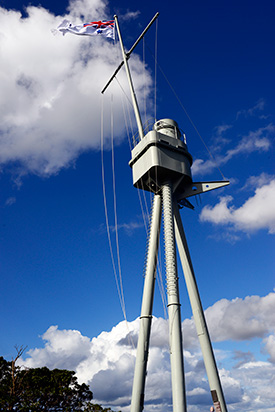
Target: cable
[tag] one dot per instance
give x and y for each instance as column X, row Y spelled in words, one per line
column 118, row 279
column 145, row 216
column 145, row 213
column 156, row 50
column 115, row 210
column 106, row 215
column 144, row 90
column 187, row 115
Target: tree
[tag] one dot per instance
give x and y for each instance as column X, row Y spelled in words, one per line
column 5, row 383
column 94, row 407
column 41, row 389
column 9, row 383
column 53, row 390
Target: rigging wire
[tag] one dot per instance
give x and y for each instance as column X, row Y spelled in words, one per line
column 160, row 280
column 187, row 115
column 115, row 209
column 144, row 90
column 145, row 214
column 127, row 97
column 144, row 203
column 118, row 276
column 156, row 49
column 119, row 283
column 121, row 299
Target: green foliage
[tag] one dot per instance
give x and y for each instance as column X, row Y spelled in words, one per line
column 5, row 383
column 94, row 407
column 41, row 389
column 56, row 390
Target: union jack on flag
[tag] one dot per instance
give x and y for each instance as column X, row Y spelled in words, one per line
column 103, row 28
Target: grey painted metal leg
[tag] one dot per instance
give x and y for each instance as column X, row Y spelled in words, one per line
column 199, row 318
column 175, row 333
column 146, row 308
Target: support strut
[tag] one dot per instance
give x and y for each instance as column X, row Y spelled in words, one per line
column 175, row 333
column 146, row 308
column 198, row 314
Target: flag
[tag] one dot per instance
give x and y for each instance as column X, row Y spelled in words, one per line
column 103, row 28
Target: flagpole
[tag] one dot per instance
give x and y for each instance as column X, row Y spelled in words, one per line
column 128, row 54
column 134, row 99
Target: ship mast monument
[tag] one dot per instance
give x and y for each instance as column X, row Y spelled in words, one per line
column 161, row 164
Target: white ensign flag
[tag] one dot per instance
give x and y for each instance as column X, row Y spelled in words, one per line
column 94, row 28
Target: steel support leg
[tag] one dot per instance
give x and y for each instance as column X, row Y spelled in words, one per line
column 198, row 314
column 146, row 308
column 175, row 333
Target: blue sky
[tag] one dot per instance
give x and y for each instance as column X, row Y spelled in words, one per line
column 58, row 290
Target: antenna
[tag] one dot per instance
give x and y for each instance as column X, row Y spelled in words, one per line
column 161, row 164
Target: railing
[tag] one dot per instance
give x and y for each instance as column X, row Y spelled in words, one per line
column 148, row 126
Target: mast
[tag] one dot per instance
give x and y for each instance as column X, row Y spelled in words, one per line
column 161, row 164
column 133, row 94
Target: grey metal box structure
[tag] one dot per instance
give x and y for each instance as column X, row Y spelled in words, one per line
column 160, row 155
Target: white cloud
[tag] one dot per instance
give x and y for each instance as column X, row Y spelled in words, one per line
column 67, row 347
column 202, row 167
column 242, row 319
column 130, row 15
column 270, row 346
column 252, row 111
column 129, row 228
column 256, row 141
column 220, row 130
column 106, row 362
column 89, row 9
column 257, row 181
column 220, row 213
column 256, row 213
column 50, row 98
column 237, row 319
column 10, row 201
column 258, row 378
column 219, row 138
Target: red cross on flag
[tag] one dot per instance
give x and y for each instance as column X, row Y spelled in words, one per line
column 103, row 28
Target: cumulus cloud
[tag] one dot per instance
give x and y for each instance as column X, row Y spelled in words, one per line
column 67, row 347
column 89, row 9
column 270, row 346
column 242, row 319
column 106, row 362
column 256, row 213
column 237, row 319
column 50, row 88
column 258, row 378
column 243, row 357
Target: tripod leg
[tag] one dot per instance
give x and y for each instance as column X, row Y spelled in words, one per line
column 199, row 318
column 146, row 308
column 175, row 333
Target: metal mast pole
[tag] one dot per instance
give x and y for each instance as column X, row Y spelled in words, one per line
column 175, row 333
column 146, row 308
column 135, row 104
column 161, row 163
column 199, row 318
